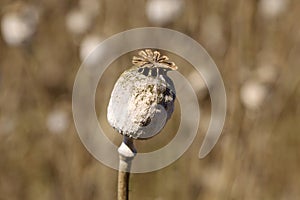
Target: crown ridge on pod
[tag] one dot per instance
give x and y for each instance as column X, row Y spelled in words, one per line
column 149, row 58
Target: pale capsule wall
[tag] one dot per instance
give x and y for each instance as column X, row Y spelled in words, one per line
column 140, row 105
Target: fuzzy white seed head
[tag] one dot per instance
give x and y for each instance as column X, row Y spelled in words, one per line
column 272, row 8
column 88, row 45
column 18, row 27
column 253, row 94
column 57, row 121
column 78, row 21
column 162, row 12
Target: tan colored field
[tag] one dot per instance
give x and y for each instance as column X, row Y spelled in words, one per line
column 255, row 44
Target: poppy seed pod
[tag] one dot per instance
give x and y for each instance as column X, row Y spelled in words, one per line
column 143, row 97
column 19, row 23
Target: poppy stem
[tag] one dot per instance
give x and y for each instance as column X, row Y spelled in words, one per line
column 126, row 154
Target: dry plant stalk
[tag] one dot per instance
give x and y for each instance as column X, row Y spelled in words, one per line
column 141, row 103
column 126, row 155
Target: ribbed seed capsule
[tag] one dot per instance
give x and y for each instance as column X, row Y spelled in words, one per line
column 143, row 97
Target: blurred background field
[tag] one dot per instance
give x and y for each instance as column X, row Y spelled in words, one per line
column 255, row 44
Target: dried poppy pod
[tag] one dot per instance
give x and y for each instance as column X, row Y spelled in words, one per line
column 143, row 97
